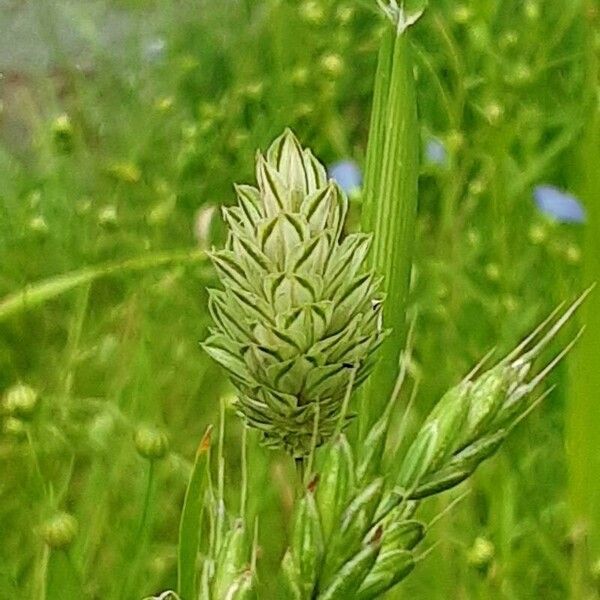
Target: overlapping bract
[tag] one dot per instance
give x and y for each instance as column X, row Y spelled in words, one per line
column 298, row 313
column 343, row 545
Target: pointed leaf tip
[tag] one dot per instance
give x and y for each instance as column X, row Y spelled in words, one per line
column 205, row 441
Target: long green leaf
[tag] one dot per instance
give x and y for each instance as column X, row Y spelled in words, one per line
column 37, row 293
column 191, row 520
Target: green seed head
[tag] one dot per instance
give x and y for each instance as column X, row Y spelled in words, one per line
column 60, row 530
column 298, row 313
column 21, row 401
column 151, row 443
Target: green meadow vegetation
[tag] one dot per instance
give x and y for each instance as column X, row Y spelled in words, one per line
column 167, row 432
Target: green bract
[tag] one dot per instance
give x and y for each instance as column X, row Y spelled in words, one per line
column 298, row 312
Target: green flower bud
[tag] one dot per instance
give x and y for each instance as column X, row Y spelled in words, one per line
column 312, row 12
column 60, row 530
column 481, row 554
column 151, row 443
column 62, row 133
column 332, row 64
column 402, row 535
column 107, row 216
column 572, row 254
column 15, row 428
column 21, row 401
column 38, row 226
column 532, row 10
column 493, row 112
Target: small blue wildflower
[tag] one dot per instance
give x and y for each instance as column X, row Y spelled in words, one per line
column 559, row 205
column 435, row 152
column 347, row 174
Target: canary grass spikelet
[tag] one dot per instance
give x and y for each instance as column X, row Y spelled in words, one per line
column 299, row 315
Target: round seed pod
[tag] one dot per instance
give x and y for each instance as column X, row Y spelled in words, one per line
column 21, row 401
column 150, row 442
column 60, row 530
column 14, row 427
column 481, row 554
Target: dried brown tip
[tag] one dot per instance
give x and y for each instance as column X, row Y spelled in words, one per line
column 205, row 441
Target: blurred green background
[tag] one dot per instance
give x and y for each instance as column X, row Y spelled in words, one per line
column 124, row 124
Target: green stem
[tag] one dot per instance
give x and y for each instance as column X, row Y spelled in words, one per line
column 40, row 577
column 300, row 462
column 146, row 507
column 140, row 536
column 37, row 467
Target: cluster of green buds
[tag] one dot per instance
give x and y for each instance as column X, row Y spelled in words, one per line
column 354, row 532
column 472, row 419
column 344, row 544
column 17, row 407
column 299, row 315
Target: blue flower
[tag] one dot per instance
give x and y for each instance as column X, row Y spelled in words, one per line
column 559, row 205
column 435, row 152
column 347, row 175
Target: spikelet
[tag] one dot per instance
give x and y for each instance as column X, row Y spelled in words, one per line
column 299, row 315
column 471, row 421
